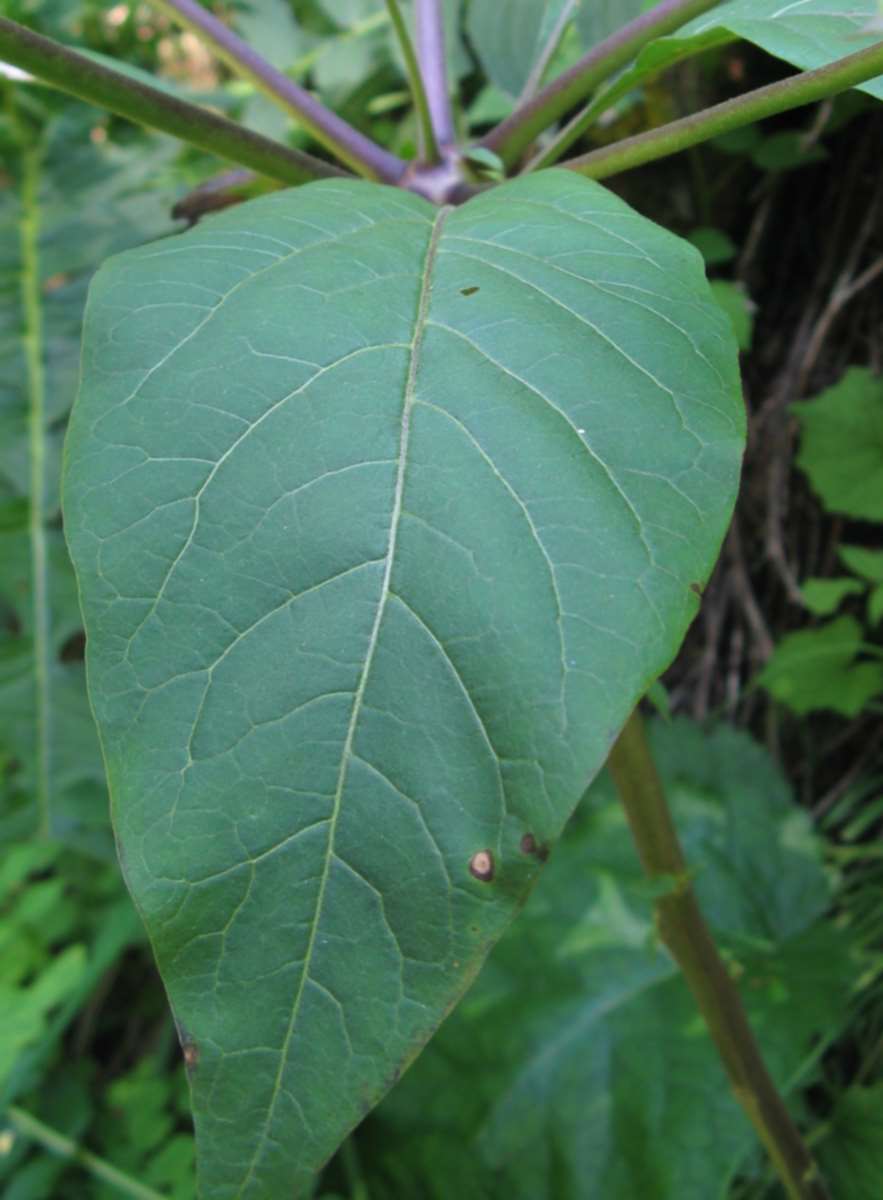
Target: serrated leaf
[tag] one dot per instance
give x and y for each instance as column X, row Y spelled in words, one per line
column 577, row 1065
column 818, row 669
column 841, row 445
column 384, row 517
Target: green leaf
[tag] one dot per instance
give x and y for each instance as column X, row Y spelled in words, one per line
column 786, row 150
column 597, row 19
column 739, row 309
column 851, row 1154
column 578, row 1062
column 841, row 447
column 875, row 605
column 867, row 563
column 810, row 34
column 714, row 245
column 67, row 204
column 509, row 38
column 807, row 35
column 384, row 517
column 817, row 669
column 824, row 596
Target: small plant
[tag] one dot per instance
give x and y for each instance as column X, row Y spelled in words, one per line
column 389, row 498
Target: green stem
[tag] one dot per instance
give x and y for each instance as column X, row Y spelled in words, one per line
column 91, row 81
column 33, row 1129
column 683, row 930
column 428, row 144
column 779, row 97
column 32, row 339
column 511, row 137
column 359, row 152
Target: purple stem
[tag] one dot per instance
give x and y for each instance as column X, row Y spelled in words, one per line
column 337, row 135
column 430, row 38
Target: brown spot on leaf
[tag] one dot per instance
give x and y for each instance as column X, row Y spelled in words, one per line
column 530, row 845
column 481, row 865
column 697, row 588
column 191, row 1055
column 468, row 291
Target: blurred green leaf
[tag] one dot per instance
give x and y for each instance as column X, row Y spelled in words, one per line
column 732, row 299
column 851, row 1154
column 785, row 151
column 824, row 596
column 867, row 563
column 818, row 669
column 841, row 447
column 714, row 245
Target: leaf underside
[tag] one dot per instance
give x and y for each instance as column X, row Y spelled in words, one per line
column 384, row 517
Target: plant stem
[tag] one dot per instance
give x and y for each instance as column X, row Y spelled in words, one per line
column 779, row 97
column 29, row 1127
column 88, row 80
column 337, row 135
column 512, row 136
column 429, row 26
column 428, row 144
column 683, row 930
column 32, row 339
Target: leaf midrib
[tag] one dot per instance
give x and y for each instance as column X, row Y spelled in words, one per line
column 420, row 323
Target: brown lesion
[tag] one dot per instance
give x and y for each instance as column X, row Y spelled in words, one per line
column 530, row 845
column 481, row 866
column 191, row 1055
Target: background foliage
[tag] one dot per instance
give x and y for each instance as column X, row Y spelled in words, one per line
column 577, row 1005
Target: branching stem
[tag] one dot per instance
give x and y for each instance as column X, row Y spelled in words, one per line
column 357, row 151
column 91, row 81
column 511, row 137
column 767, row 101
column 683, row 930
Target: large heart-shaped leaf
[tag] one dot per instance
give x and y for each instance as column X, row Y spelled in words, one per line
column 384, row 517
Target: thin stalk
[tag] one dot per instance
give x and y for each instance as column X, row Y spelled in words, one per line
column 538, row 70
column 511, row 137
column 30, row 1127
column 357, row 151
column 91, row 81
column 683, row 930
column 430, row 30
column 32, row 338
column 428, row 144
column 779, row 97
